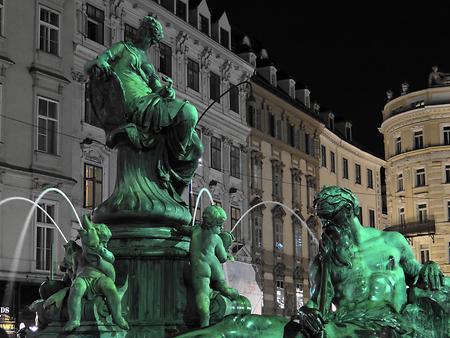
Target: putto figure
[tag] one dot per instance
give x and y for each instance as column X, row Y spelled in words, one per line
column 207, row 254
column 94, row 274
column 154, row 132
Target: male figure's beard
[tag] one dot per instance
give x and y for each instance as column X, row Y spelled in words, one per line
column 337, row 242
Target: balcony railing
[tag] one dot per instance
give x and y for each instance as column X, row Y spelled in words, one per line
column 414, row 229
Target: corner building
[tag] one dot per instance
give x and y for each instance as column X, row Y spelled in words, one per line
column 416, row 129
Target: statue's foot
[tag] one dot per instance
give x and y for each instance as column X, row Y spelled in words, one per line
column 71, row 325
column 122, row 323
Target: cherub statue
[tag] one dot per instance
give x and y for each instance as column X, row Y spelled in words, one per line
column 207, row 254
column 93, row 274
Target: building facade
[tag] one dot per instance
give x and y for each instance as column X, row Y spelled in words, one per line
column 50, row 136
column 416, row 130
column 284, row 168
column 345, row 165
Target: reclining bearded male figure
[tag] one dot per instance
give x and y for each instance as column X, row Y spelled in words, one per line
column 364, row 273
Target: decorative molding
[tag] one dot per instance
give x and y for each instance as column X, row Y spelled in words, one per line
column 226, row 70
column 279, row 270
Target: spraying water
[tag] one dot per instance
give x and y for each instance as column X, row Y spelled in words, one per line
column 198, row 200
column 16, row 198
column 284, row 206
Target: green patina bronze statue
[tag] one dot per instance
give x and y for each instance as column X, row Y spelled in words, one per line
column 207, row 253
column 364, row 283
column 154, row 132
column 94, row 274
column 88, row 287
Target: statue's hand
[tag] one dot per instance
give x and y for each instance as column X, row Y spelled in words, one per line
column 167, row 91
column 102, row 68
column 310, row 320
column 430, row 276
column 230, row 257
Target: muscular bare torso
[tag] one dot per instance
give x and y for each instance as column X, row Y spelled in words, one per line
column 375, row 275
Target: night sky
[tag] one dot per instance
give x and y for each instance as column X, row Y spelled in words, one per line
column 348, row 56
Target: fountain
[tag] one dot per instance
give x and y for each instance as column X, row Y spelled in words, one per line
column 161, row 277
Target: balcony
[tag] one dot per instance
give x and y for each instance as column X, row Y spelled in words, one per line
column 415, row 229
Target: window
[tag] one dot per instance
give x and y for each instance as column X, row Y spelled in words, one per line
column 234, row 98
column 167, row 4
column 447, row 173
column 401, row 216
column 277, row 176
column 89, row 114
column 129, row 33
column 47, row 126
column 448, row 211
column 446, row 131
column 310, row 191
column 398, row 145
column 235, row 161
column 280, row 294
column 372, row 218
column 235, row 215
column 48, row 30
column 214, row 86
column 204, row 24
column 422, row 213
column 420, row 177
column 291, row 135
column 449, row 252
column 369, row 178
column 418, row 139
column 2, row 17
column 400, row 182
column 278, row 129
column 297, row 240
column 278, row 233
column 95, row 24
column 271, row 125
column 348, row 133
column 93, row 186
column 307, row 144
column 424, row 253
column 165, row 59
column 44, row 236
column 256, row 173
column 324, row 155
column 192, row 75
column 216, row 153
column 332, row 162
column 360, row 216
column 357, row 173
column 296, row 182
column 257, row 229
column 181, row 10
column 299, row 295
column 224, row 38
column 345, row 168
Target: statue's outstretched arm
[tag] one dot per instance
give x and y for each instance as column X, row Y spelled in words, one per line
column 408, row 262
column 104, row 60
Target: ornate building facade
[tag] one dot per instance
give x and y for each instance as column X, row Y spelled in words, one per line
column 284, row 167
column 416, row 129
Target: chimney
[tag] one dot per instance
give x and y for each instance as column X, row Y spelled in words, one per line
column 405, row 88
column 389, row 95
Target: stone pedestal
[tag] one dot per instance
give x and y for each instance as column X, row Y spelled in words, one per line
column 156, row 303
column 86, row 330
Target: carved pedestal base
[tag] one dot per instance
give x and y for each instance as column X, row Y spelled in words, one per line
column 156, row 303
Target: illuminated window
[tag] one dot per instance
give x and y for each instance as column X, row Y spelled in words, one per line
column 299, row 295
column 44, row 236
column 48, row 31
column 93, row 186
column 280, row 294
